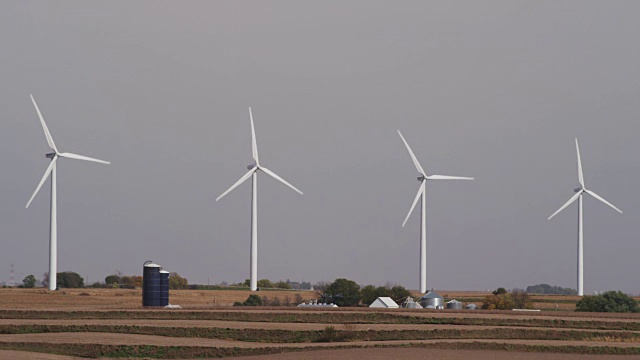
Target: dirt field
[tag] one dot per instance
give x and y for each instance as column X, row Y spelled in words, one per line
column 415, row 354
column 132, row 299
column 38, row 324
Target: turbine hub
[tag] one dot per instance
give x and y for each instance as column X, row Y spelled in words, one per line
column 50, row 155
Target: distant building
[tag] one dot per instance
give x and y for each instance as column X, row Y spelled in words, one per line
column 384, row 303
column 410, row 304
column 317, row 304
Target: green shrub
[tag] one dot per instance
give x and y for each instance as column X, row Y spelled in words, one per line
column 252, row 300
column 610, row 301
column 500, row 291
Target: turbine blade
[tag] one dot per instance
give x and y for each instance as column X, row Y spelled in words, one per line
column 603, row 200
column 254, row 144
column 573, row 198
column 47, row 134
column 242, row 179
column 413, row 157
column 580, row 175
column 81, row 157
column 415, row 201
column 445, row 177
column 275, row 176
column 44, row 178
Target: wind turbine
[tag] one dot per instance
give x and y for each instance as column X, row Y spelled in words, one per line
column 578, row 196
column 422, row 194
column 51, row 170
column 253, row 174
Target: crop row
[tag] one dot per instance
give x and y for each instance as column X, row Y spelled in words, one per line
column 329, row 334
column 190, row 352
column 322, row 318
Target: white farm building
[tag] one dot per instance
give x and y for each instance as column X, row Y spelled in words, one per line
column 385, row 303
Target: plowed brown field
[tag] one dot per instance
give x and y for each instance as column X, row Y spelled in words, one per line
column 91, row 323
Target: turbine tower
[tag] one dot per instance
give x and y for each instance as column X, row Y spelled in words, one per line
column 253, row 174
column 578, row 196
column 51, row 170
column 422, row 194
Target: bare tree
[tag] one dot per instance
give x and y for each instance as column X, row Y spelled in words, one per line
column 321, row 289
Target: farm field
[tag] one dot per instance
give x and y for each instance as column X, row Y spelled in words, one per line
column 110, row 323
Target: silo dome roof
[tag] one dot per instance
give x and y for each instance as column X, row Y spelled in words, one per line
column 431, row 295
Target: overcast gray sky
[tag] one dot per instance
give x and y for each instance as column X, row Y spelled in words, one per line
column 494, row 89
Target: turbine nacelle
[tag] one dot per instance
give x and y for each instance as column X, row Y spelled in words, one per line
column 582, row 189
column 55, row 154
column 251, row 166
column 422, row 178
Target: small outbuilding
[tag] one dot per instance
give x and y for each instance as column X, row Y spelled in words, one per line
column 454, row 304
column 410, row 304
column 385, row 303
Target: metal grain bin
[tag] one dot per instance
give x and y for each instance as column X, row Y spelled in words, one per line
column 432, row 298
column 151, row 284
column 454, row 304
column 471, row 307
column 164, row 288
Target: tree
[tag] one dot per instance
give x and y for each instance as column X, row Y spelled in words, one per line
column 177, row 282
column 521, row 299
column 500, row 291
column 550, row 290
column 610, row 301
column 507, row 301
column 29, row 281
column 112, row 279
column 132, row 281
column 498, row 302
column 368, row 294
column 321, row 290
column 69, row 279
column 282, row 285
column 398, row 292
column 344, row 292
column 264, row 283
column 252, row 300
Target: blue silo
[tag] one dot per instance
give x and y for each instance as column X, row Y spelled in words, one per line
column 164, row 288
column 151, row 284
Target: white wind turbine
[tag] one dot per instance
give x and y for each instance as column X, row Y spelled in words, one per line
column 53, row 230
column 253, row 173
column 423, row 220
column 578, row 196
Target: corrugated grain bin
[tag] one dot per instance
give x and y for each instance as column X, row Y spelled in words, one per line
column 151, row 284
column 432, row 298
column 454, row 304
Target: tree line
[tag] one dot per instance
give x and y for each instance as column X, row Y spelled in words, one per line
column 71, row 280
